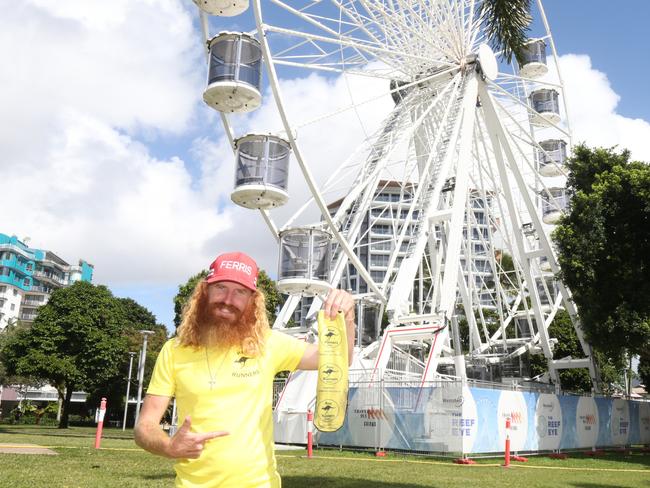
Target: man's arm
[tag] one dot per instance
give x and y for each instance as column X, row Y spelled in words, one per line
column 337, row 301
column 150, row 437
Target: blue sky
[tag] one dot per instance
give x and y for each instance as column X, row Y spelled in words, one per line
column 110, row 155
column 611, row 34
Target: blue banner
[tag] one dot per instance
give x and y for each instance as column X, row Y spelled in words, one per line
column 450, row 418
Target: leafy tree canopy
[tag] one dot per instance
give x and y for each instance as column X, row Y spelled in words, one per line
column 568, row 345
column 506, row 23
column 184, row 293
column 79, row 341
column 604, row 248
column 274, row 299
column 6, row 378
column 74, row 343
column 135, row 318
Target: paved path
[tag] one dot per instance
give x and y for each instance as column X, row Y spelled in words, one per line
column 25, row 449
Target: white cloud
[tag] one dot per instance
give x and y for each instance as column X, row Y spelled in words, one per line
column 103, row 197
column 592, row 105
column 84, row 81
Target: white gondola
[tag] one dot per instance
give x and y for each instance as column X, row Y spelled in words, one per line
column 545, row 102
column 553, row 206
column 551, row 157
column 305, row 257
column 533, row 64
column 262, row 171
column 234, row 73
column 223, row 8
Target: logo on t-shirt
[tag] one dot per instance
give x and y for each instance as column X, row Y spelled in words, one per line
column 245, row 367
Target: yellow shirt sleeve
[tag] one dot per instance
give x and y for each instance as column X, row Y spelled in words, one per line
column 163, row 380
column 286, row 351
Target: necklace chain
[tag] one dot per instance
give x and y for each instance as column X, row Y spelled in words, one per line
column 213, row 380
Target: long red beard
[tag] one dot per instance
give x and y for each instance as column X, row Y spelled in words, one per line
column 224, row 333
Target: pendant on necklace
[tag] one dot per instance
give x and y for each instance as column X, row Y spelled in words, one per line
column 212, row 382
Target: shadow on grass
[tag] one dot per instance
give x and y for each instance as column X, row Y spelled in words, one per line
column 636, row 457
column 598, row 485
column 159, row 476
column 321, row 481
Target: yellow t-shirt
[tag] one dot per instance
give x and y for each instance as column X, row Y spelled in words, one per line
column 240, row 402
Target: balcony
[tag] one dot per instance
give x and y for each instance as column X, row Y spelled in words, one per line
column 33, row 303
column 11, row 247
column 28, row 316
column 50, row 277
column 40, row 289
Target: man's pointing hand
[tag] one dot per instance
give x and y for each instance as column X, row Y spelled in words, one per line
column 187, row 444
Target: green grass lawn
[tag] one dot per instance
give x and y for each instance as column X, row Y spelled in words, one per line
column 121, row 464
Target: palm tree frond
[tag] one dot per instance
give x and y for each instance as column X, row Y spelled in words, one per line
column 506, row 23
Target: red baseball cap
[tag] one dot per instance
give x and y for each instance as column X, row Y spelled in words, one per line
column 234, row 266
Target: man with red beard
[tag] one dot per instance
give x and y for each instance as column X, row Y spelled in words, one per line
column 220, row 368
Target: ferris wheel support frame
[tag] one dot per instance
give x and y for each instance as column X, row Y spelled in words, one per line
column 451, row 274
column 501, row 145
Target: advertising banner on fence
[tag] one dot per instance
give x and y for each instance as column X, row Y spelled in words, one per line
column 451, row 418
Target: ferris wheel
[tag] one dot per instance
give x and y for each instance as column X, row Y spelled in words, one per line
column 437, row 217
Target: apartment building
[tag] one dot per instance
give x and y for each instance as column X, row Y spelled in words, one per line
column 28, row 276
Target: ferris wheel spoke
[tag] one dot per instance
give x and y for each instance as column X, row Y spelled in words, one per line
column 356, row 105
column 392, row 19
column 490, row 111
column 377, row 159
column 517, row 79
column 360, row 49
column 507, row 230
column 429, row 186
column 376, row 34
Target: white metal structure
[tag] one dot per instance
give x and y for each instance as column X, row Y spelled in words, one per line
column 459, row 131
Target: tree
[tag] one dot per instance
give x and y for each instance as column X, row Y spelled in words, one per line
column 184, row 293
column 603, row 248
column 274, row 299
column 75, row 343
column 568, row 345
column 135, row 318
column 506, row 23
column 6, row 335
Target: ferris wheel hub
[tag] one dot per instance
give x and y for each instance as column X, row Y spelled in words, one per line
column 488, row 62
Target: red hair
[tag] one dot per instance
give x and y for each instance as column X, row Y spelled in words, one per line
column 199, row 329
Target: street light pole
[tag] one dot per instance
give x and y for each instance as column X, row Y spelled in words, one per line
column 143, row 358
column 128, row 389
